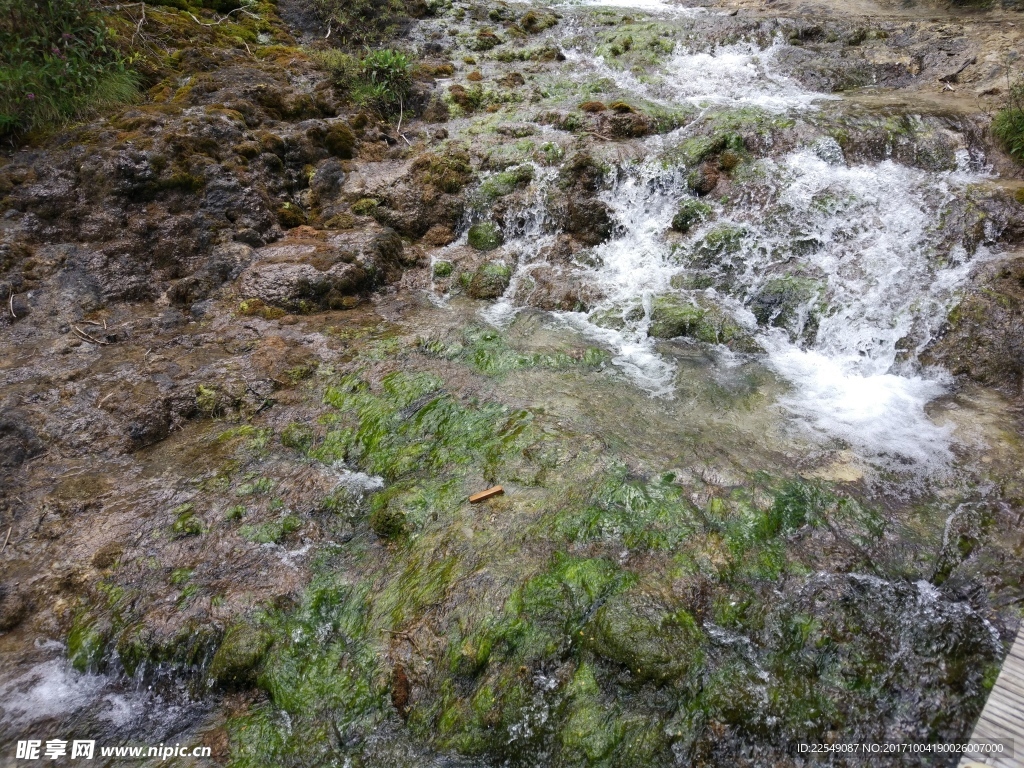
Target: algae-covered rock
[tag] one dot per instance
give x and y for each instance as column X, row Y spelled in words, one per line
column 388, row 522
column 589, row 219
column 644, row 636
column 87, row 642
column 673, row 316
column 490, row 280
column 485, row 236
column 713, row 250
column 237, row 660
column 506, row 182
column 186, row 522
column 298, row 436
column 617, row 317
column 590, row 729
column 556, row 288
column 156, row 641
column 779, row 301
column 982, row 338
column 582, row 173
column 537, row 20
column 691, row 212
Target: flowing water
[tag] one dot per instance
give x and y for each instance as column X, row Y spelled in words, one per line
column 871, row 247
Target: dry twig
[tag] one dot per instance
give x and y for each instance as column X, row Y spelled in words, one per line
column 87, row 337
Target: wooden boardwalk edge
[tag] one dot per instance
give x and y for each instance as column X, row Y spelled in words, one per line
column 1002, row 719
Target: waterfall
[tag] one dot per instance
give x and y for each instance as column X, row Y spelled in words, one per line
column 839, row 272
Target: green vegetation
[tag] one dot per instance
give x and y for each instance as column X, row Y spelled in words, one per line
column 1008, row 124
column 487, row 352
column 638, row 46
column 381, row 80
column 690, row 213
column 271, row 532
column 186, row 522
column 58, row 60
column 485, row 236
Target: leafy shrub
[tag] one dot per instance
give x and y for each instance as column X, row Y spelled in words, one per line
column 380, row 80
column 1008, row 125
column 57, row 61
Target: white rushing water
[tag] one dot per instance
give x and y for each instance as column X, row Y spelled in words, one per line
column 737, row 75
column 868, row 239
column 866, row 242
column 865, row 247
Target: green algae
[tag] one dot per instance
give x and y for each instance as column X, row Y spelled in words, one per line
column 691, row 212
column 271, row 532
column 237, row 660
column 488, row 352
column 505, row 183
column 186, row 522
column 486, row 236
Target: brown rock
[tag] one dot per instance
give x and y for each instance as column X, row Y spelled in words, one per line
column 401, row 690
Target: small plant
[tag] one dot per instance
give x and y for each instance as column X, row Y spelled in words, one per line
column 381, row 80
column 1008, row 125
column 186, row 523
column 385, row 80
column 235, row 512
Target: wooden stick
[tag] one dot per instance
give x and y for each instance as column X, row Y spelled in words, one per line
column 476, row 498
column 7, row 539
column 87, row 337
column 11, row 303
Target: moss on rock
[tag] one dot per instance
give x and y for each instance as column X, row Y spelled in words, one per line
column 779, row 301
column 485, row 236
column 340, row 141
column 690, row 213
column 490, row 280
column 237, row 660
column 654, row 643
column 674, row 316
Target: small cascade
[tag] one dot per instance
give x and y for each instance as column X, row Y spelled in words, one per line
column 839, row 273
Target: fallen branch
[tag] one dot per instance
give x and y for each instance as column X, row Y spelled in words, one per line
column 87, row 337
column 224, row 18
column 7, row 539
column 398, row 128
column 138, row 27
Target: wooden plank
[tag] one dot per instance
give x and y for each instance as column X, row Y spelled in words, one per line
column 476, row 498
column 1002, row 719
